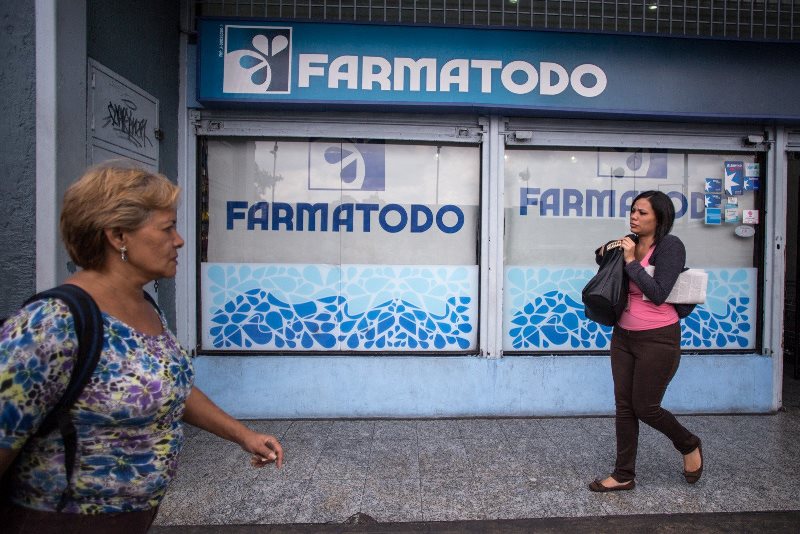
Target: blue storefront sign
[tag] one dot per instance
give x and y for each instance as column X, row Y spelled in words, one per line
column 278, row 63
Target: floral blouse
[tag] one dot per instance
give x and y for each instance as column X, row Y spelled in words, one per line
column 128, row 418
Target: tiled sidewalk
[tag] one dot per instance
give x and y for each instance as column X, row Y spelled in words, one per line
column 462, row 469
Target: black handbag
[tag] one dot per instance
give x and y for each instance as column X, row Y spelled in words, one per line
column 606, row 294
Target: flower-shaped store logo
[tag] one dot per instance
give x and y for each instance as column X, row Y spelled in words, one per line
column 257, row 60
column 346, row 166
column 632, row 163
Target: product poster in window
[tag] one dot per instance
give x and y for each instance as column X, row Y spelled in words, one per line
column 341, row 245
column 734, row 178
column 752, row 175
column 561, row 204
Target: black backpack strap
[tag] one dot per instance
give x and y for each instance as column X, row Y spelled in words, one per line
column 152, row 301
column 89, row 330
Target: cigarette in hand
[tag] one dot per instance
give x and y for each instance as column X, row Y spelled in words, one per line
column 260, row 461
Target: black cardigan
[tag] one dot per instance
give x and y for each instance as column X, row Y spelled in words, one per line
column 669, row 257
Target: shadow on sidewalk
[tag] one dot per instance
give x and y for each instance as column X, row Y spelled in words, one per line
column 739, row 522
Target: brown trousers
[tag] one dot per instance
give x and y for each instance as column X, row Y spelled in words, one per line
column 20, row 520
column 643, row 364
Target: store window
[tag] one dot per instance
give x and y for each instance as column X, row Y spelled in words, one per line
column 562, row 204
column 338, row 245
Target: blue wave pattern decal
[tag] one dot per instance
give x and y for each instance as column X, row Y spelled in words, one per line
column 257, row 319
column 544, row 311
column 353, row 307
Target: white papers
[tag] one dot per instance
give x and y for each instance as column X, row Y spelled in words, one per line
column 690, row 288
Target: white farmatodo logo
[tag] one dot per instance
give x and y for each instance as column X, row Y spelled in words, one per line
column 257, row 60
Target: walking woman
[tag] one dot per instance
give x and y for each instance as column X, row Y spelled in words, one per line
column 118, row 224
column 645, row 344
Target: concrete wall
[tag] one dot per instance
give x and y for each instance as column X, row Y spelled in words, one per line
column 17, row 157
column 136, row 38
column 399, row 387
column 139, row 40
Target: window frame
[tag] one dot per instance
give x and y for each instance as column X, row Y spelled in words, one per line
column 564, row 135
column 494, row 133
column 754, row 254
column 451, row 130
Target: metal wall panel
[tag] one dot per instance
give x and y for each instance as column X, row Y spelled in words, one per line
column 737, row 19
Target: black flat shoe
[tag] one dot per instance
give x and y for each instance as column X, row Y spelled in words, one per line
column 598, row 486
column 693, row 476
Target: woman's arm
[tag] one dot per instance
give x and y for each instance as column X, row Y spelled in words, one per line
column 35, row 368
column 671, row 260
column 203, row 413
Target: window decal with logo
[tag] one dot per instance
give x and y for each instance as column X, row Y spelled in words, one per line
column 340, row 245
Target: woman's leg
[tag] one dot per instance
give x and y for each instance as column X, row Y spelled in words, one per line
column 623, row 367
column 658, row 356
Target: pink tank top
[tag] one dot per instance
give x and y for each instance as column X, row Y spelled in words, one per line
column 642, row 314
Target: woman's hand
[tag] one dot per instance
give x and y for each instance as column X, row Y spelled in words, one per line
column 201, row 412
column 628, row 249
column 264, row 448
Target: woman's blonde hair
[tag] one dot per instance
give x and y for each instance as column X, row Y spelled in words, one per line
column 117, row 195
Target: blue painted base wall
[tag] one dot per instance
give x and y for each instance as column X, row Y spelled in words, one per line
column 397, row 387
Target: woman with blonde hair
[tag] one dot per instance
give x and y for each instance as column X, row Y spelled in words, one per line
column 118, row 224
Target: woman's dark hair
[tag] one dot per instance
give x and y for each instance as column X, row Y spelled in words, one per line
column 664, row 210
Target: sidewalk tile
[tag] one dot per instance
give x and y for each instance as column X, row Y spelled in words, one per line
column 511, row 497
column 301, row 456
column 396, row 429
column 481, row 429
column 392, row 499
column 559, row 428
column 394, row 459
column 347, row 460
column 521, row 428
column 599, row 428
column 570, row 504
column 330, row 500
column 347, row 430
column 309, row 429
column 275, row 502
column 449, row 499
column 276, row 428
column 446, row 458
column 489, row 457
column 438, row 429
